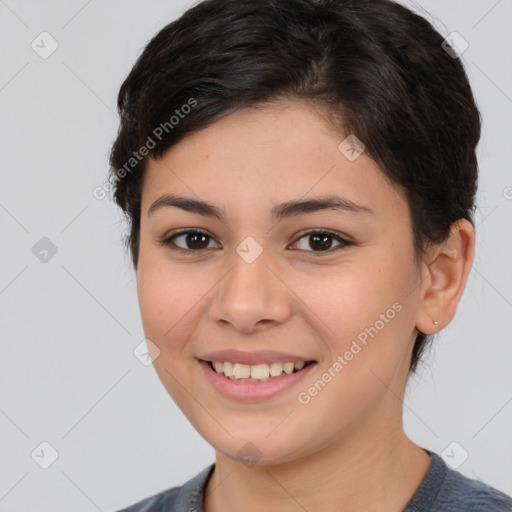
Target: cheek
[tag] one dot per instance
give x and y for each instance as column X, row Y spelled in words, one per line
column 167, row 296
column 366, row 317
column 364, row 314
column 347, row 298
column 169, row 303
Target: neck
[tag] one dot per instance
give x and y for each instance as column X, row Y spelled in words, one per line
column 369, row 472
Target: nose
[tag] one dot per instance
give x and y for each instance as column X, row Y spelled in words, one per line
column 251, row 297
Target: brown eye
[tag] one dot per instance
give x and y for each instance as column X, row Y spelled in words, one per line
column 193, row 240
column 321, row 242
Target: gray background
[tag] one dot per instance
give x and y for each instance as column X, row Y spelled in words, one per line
column 68, row 375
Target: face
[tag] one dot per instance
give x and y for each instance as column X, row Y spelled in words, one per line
column 335, row 288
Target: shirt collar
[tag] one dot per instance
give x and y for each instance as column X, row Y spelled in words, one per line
column 190, row 496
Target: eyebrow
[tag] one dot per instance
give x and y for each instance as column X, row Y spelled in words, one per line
column 278, row 212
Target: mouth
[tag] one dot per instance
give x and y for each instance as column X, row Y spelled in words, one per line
column 258, row 372
column 253, row 383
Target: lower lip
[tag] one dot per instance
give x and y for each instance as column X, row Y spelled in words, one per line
column 252, row 391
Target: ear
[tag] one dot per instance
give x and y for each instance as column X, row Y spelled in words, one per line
column 445, row 271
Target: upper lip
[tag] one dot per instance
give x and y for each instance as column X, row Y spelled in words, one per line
column 251, row 358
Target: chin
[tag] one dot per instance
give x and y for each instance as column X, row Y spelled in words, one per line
column 258, row 449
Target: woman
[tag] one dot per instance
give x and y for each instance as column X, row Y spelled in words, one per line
column 299, row 177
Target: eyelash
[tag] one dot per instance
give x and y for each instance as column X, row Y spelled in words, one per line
column 167, row 241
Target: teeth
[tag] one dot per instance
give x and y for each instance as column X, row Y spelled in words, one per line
column 256, row 372
column 240, row 371
column 260, row 371
column 228, row 369
column 276, row 369
column 288, row 367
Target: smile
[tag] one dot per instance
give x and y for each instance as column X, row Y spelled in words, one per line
column 252, row 383
column 257, row 372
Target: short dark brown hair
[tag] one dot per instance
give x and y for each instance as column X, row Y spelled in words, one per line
column 379, row 69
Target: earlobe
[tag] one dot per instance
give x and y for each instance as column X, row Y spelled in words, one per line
column 447, row 267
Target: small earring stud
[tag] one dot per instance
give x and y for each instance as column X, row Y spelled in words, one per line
column 435, row 322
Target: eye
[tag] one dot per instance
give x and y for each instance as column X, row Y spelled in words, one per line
column 196, row 240
column 322, row 240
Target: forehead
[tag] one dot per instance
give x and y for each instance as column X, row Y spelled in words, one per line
column 260, row 157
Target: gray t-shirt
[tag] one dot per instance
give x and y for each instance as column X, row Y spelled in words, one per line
column 442, row 490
